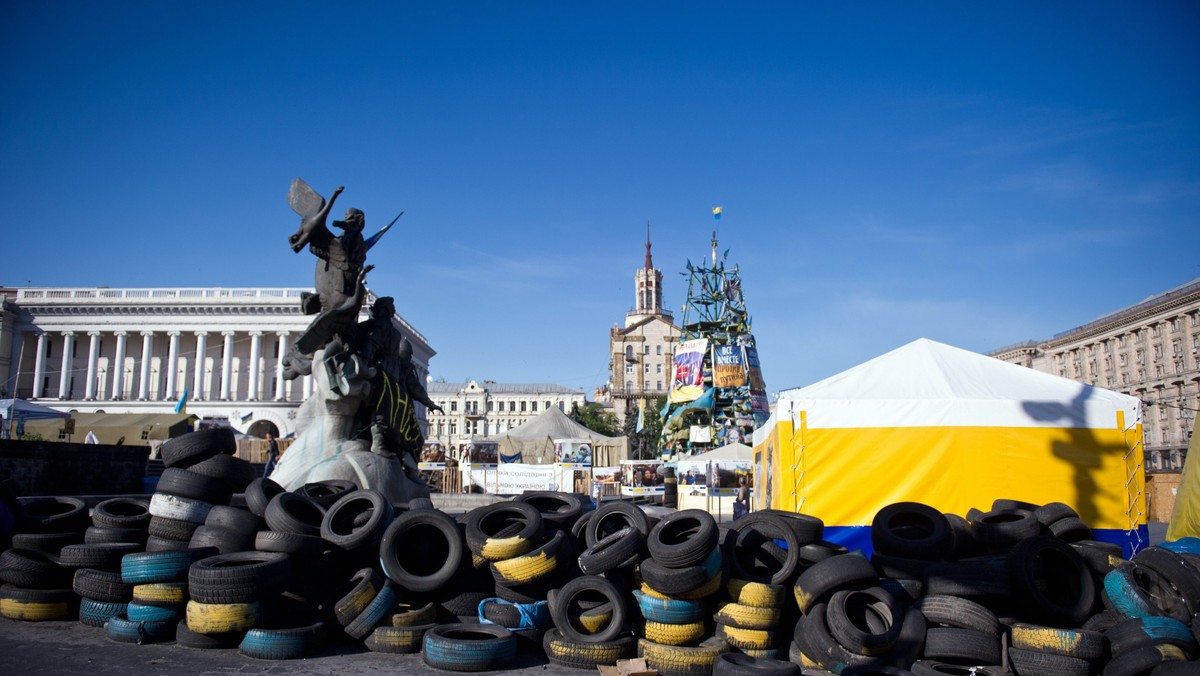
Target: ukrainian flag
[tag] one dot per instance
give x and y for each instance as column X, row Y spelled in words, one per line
column 717, row 212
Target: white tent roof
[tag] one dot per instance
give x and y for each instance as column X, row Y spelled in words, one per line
column 926, row 383
column 20, row 408
column 726, row 452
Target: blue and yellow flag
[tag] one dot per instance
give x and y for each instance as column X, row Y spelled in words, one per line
column 717, row 212
column 181, row 407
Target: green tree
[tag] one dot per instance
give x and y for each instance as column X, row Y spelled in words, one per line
column 593, row 416
column 644, row 445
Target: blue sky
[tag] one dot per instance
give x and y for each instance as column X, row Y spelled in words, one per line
column 973, row 173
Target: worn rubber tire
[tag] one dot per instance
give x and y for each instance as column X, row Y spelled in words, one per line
column 912, row 530
column 684, row 538
column 259, row 493
column 562, row 651
column 122, row 513
column 241, row 577
column 866, row 621
column 58, row 514
column 469, row 647
column 357, row 520
column 570, row 599
column 294, row 513
column 822, row 579
column 283, row 643
column 193, row 447
column 421, row 550
column 613, row 516
column 101, row 585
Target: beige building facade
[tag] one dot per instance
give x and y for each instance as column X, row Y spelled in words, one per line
column 641, row 353
column 139, row 350
column 475, row 411
column 1149, row 351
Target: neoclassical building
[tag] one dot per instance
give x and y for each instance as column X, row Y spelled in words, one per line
column 1149, row 351
column 140, row 350
column 641, row 353
column 474, row 410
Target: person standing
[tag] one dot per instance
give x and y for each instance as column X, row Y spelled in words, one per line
column 741, row 504
column 272, row 455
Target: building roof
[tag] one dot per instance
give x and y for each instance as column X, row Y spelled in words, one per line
column 502, row 388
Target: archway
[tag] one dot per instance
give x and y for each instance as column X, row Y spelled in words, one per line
column 260, row 429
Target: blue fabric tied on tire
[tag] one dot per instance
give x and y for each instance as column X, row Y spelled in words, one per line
column 534, row 615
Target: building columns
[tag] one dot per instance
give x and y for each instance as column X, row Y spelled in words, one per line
column 280, row 354
column 198, row 380
column 147, row 349
column 93, row 365
column 226, row 364
column 172, row 364
column 118, row 388
column 64, row 375
column 255, row 357
column 39, row 366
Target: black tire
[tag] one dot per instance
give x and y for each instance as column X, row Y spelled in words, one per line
column 356, row 595
column 1033, row 663
column 534, row 566
column 191, row 639
column 1076, row 643
column 613, row 516
column 680, row 581
column 124, row 630
column 814, row 640
column 807, row 528
column 294, row 513
column 558, row 509
column 122, row 513
column 503, row 530
column 965, row 544
column 955, row 611
column 259, row 493
column 968, row 579
column 1100, row 557
column 234, row 518
column 739, row 664
column 932, row 667
column 289, row 543
column 469, row 647
column 172, row 529
column 226, row 541
column 231, row 470
column 1141, row 660
column 999, row 530
column 1174, row 569
column 569, row 602
column 374, row 614
column 1138, row 632
column 822, row 579
column 910, row 642
column 752, row 553
column 157, row 544
column 327, row 492
column 52, row 515
column 32, row 569
column 912, row 530
column 101, row 585
column 105, row 556
column 962, row 645
column 421, row 550
column 357, row 520
column 187, row 484
column 622, row 548
column 1071, row 529
column 398, row 640
column 96, row 613
column 191, row 448
column 683, row 538
column 46, row 543
column 866, row 622
column 1054, row 511
column 102, row 534
column 242, row 577
column 1052, row 581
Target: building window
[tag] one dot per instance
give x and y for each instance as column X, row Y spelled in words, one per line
column 629, row 352
column 658, row 350
column 453, row 428
column 512, row 407
column 522, row 406
column 547, row 406
column 561, row 407
column 1154, row 331
column 658, row 385
column 453, row 406
column 629, row 368
column 533, row 406
column 1124, row 359
column 628, row 386
column 491, row 406
column 647, row 369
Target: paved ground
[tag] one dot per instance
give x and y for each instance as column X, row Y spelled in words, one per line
column 30, row 648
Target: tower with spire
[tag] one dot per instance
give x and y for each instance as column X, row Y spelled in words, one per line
column 641, row 351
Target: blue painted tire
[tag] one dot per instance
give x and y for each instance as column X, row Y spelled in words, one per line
column 123, row 630
column 469, row 647
column 379, row 609
column 166, row 566
column 669, row 611
column 96, row 613
column 140, row 612
column 283, row 644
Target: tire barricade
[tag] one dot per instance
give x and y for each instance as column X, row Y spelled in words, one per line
column 1018, row 588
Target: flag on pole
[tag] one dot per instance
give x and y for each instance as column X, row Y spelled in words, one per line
column 641, row 418
column 248, row 416
column 717, row 212
column 181, row 407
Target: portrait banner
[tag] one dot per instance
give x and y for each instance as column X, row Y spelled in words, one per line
column 687, row 379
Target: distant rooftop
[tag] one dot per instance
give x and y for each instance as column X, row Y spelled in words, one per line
column 507, row 388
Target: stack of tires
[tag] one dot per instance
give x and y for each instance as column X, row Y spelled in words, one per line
column 157, row 591
column 200, row 472
column 589, row 615
column 37, row 587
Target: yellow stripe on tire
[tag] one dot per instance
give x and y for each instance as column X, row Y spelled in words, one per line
column 220, row 618
column 34, row 611
column 158, row 593
column 682, row 659
column 665, row 633
column 757, row 594
column 747, row 617
column 746, row 639
column 525, row 569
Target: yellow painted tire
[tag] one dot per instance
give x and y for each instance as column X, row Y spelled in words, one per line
column 1080, row 643
column 403, row 640
column 411, row 617
column 746, row 639
column 757, row 594
column 665, row 633
column 592, row 621
column 670, row 660
column 500, row 549
column 529, row 567
column 365, row 586
column 161, row 593
column 220, row 618
column 34, row 611
column 563, row 651
column 747, row 617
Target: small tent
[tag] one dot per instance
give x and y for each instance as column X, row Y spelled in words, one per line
column 14, row 413
column 129, row 429
column 534, row 441
column 955, row 430
column 726, row 452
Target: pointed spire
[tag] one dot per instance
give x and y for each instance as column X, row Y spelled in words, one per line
column 649, row 263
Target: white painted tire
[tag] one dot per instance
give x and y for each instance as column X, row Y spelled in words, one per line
column 175, row 507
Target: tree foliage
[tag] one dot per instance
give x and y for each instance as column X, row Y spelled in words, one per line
column 644, row 445
column 593, row 416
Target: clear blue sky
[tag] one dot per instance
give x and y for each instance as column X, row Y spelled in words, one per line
column 975, row 173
